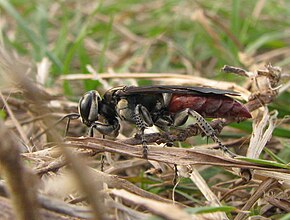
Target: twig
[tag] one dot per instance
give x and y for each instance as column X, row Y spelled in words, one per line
column 263, row 187
column 179, row 156
column 20, row 181
column 156, row 207
column 207, row 192
column 15, row 121
column 236, row 70
column 7, row 212
column 90, row 188
column 56, row 205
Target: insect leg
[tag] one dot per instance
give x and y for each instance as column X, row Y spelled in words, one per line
column 209, row 131
column 175, row 178
column 105, row 129
column 204, row 126
column 143, row 120
column 72, row 116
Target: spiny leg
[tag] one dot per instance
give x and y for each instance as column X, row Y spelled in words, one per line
column 141, row 129
column 91, row 134
column 181, row 117
column 143, row 120
column 175, row 178
column 103, row 158
column 144, row 145
column 209, row 131
column 105, row 129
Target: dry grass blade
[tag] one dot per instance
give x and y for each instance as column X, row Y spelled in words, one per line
column 179, row 156
column 281, row 203
column 156, row 207
column 91, row 189
column 116, row 182
column 53, row 53
column 7, row 212
column 207, row 193
column 21, row 183
column 127, row 212
column 37, row 98
column 262, row 133
column 264, row 187
column 54, row 205
column 282, row 177
column 19, row 128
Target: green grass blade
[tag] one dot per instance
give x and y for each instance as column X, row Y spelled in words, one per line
column 265, row 162
column 204, row 210
column 33, row 39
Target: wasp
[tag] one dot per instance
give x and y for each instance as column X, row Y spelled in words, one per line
column 164, row 106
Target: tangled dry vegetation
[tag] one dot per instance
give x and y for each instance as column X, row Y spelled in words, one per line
column 83, row 177
column 45, row 175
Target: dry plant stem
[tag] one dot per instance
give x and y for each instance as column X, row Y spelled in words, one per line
column 57, row 159
column 7, row 212
column 233, row 69
column 114, row 181
column 166, row 211
column 179, row 156
column 53, row 166
column 207, row 193
column 280, row 203
column 63, row 208
column 17, row 103
column 20, row 181
column 232, row 191
column 132, row 213
column 90, row 188
column 238, row 194
column 120, row 166
column 56, row 205
column 37, row 98
column 275, row 175
column 262, row 133
column 15, row 121
column 263, row 187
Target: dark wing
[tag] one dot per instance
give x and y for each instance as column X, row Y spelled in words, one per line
column 130, row 90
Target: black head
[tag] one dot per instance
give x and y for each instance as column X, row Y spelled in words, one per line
column 89, row 107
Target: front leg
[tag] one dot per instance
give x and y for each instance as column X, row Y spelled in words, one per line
column 105, row 129
column 181, row 117
column 143, row 120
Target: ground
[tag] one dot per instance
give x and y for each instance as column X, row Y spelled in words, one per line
column 53, row 52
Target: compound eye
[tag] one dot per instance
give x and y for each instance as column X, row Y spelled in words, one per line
column 89, row 108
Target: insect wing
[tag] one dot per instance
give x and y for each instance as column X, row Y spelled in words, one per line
column 130, row 90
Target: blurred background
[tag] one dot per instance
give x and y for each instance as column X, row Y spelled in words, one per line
column 188, row 37
column 69, row 47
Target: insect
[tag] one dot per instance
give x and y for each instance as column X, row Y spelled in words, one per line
column 163, row 105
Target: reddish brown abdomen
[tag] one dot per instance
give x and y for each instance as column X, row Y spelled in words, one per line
column 209, row 106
